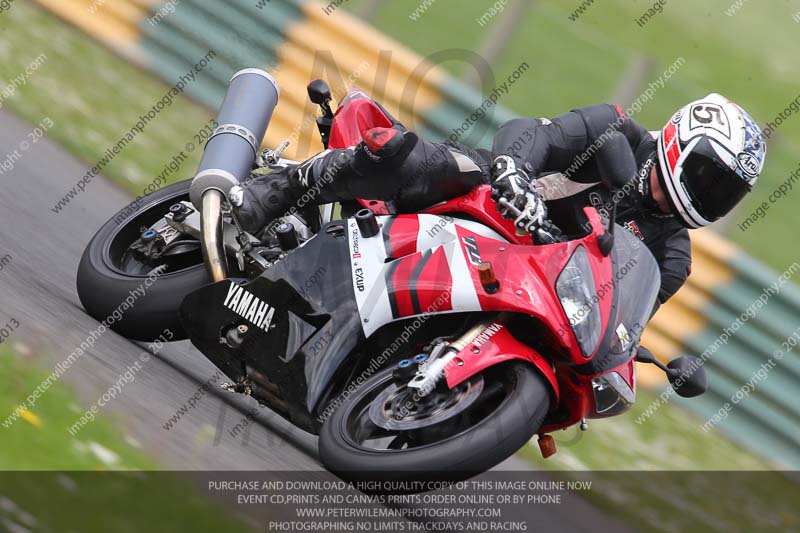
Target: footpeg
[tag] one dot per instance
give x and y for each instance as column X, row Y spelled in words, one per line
column 239, row 388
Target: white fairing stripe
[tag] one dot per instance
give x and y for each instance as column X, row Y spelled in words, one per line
column 435, row 230
column 463, row 296
column 442, row 231
column 373, row 301
column 479, row 229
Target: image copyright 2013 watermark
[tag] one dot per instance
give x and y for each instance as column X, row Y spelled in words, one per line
column 145, row 120
column 5, row 260
column 127, row 377
column 751, row 312
column 170, row 170
column 752, row 384
column 8, row 163
column 87, row 344
column 780, row 192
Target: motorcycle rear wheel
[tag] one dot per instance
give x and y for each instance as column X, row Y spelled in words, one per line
column 512, row 403
column 107, row 275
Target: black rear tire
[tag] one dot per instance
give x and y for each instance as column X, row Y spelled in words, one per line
column 517, row 418
column 103, row 286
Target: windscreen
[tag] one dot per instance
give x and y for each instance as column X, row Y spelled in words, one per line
column 638, row 280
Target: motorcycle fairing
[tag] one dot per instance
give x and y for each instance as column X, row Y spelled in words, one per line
column 493, row 346
column 408, row 269
column 315, row 326
column 438, row 273
column 576, row 389
column 356, row 114
column 478, row 204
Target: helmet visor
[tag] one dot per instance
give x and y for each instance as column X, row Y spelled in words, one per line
column 713, row 187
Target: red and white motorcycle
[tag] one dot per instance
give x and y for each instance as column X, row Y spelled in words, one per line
column 416, row 345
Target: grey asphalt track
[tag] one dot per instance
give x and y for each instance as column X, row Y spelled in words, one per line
column 38, row 289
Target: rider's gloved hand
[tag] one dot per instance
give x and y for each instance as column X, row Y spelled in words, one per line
column 509, row 182
column 514, row 184
column 534, row 212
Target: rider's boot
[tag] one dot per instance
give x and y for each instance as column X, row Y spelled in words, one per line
column 330, row 176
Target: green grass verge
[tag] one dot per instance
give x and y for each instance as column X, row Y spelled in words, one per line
column 749, row 57
column 50, row 481
column 668, row 475
column 670, row 440
column 93, row 98
column 41, row 441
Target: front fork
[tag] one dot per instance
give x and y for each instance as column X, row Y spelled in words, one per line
column 432, row 371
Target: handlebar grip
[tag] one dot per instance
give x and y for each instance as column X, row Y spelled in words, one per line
column 545, row 225
column 511, row 208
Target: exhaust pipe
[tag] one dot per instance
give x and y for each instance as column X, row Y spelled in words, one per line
column 211, row 236
column 229, row 155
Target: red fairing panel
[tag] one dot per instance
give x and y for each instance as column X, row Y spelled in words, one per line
column 421, row 283
column 356, row 114
column 495, row 345
column 402, row 232
column 479, row 205
column 527, row 276
column 450, row 269
column 576, row 389
column 438, row 273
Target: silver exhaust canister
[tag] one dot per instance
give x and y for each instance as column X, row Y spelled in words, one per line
column 242, row 122
column 229, row 155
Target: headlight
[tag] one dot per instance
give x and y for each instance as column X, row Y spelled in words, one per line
column 612, row 395
column 576, row 291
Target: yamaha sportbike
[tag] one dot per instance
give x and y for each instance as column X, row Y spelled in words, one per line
column 416, row 345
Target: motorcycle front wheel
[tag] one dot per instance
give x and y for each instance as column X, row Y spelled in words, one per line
column 383, row 432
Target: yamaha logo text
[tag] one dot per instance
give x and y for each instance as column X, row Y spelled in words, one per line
column 249, row 306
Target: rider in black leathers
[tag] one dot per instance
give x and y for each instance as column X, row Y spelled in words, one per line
column 395, row 164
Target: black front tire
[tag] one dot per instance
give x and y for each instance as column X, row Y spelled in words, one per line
column 470, row 452
column 103, row 286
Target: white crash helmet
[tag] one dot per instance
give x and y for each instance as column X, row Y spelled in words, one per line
column 710, row 153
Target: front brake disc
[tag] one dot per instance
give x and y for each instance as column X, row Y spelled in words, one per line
column 396, row 408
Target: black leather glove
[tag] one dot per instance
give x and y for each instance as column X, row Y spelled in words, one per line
column 514, row 185
column 509, row 182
